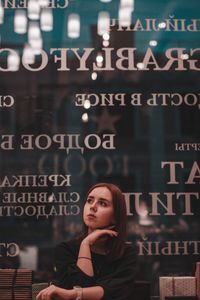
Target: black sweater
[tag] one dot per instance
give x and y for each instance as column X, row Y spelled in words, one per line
column 115, row 277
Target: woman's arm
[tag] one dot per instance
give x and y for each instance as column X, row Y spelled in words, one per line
column 54, row 292
column 84, row 261
column 92, row 293
column 71, row 270
column 67, row 273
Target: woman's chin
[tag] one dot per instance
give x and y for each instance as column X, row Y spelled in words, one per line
column 92, row 227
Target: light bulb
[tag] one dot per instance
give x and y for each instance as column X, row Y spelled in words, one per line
column 105, row 43
column 128, row 4
column 13, row 61
column 28, row 56
column 20, row 21
column 46, row 19
column 140, row 66
column 85, row 117
column 162, row 25
column 125, row 16
column 184, row 56
column 99, row 58
column 73, row 26
column 33, row 31
column 94, row 75
column 106, row 36
column 33, row 9
column 153, row 43
column 36, row 46
column 103, row 24
column 1, row 13
column 87, row 104
column 44, row 3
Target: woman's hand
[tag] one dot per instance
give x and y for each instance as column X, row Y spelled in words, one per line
column 84, row 261
column 54, row 293
column 99, row 233
column 47, row 294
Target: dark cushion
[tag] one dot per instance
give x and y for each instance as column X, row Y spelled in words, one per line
column 181, row 298
column 142, row 290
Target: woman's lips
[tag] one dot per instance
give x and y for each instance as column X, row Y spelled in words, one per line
column 91, row 216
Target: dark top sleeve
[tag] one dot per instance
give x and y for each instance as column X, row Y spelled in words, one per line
column 119, row 285
column 116, row 277
column 67, row 273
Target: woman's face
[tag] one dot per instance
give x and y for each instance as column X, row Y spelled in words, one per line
column 98, row 210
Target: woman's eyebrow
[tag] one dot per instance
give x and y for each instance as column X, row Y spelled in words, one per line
column 101, row 198
column 104, row 199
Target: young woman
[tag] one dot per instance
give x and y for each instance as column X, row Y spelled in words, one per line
column 98, row 265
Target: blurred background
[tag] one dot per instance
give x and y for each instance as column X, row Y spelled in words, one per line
column 36, row 106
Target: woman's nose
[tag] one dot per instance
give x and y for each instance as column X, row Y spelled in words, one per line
column 93, row 206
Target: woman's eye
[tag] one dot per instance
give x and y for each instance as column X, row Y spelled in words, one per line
column 89, row 200
column 102, row 203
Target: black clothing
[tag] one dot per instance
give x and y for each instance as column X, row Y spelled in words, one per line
column 115, row 277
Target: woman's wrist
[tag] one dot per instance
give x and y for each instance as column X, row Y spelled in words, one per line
column 86, row 242
column 66, row 294
column 79, row 292
column 72, row 294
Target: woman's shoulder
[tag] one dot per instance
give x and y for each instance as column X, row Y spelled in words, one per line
column 68, row 246
column 129, row 259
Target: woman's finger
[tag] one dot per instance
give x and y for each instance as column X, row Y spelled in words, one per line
column 109, row 231
column 111, row 226
column 39, row 296
column 43, row 294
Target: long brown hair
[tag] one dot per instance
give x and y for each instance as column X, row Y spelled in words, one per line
column 115, row 245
